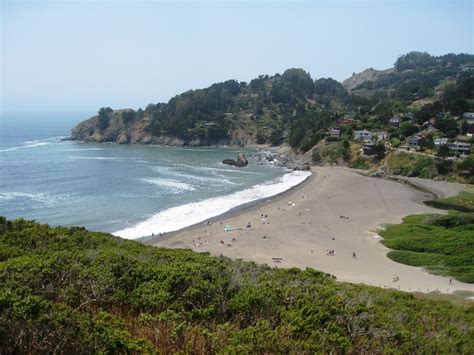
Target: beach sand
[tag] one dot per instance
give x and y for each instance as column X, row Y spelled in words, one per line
column 338, row 209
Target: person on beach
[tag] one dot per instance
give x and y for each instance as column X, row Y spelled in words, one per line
column 354, row 256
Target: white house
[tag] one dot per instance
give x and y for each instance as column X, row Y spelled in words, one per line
column 334, row 132
column 438, row 142
column 460, row 147
column 382, row 135
column 395, row 121
column 363, row 135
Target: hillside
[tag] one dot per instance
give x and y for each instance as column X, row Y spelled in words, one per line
column 293, row 108
column 65, row 289
column 224, row 113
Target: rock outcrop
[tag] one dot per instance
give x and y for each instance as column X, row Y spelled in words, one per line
column 240, row 162
column 369, row 74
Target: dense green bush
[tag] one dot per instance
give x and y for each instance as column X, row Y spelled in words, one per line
column 444, row 244
column 67, row 290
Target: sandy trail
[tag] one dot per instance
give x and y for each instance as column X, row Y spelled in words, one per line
column 338, row 209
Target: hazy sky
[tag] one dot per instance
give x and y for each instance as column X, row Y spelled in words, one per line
column 81, row 55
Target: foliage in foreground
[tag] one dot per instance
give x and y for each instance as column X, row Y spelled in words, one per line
column 444, row 244
column 68, row 290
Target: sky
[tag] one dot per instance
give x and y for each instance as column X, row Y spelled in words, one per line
column 82, row 55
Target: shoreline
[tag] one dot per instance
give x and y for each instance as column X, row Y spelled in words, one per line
column 335, row 208
column 233, row 212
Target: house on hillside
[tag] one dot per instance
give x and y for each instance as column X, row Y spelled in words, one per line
column 432, row 129
column 395, row 121
column 382, row 135
column 460, row 147
column 334, row 133
column 470, row 131
column 469, row 117
column 363, row 135
column 414, row 141
column 347, row 120
column 438, row 142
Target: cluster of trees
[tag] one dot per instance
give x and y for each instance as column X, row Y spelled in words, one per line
column 103, row 117
column 417, row 76
column 267, row 106
column 65, row 289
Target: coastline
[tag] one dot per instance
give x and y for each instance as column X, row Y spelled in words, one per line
column 233, row 212
column 335, row 208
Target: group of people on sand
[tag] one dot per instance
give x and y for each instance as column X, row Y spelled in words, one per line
column 395, row 278
column 330, row 252
column 199, row 242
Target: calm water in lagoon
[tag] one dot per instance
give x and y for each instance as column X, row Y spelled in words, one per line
column 131, row 190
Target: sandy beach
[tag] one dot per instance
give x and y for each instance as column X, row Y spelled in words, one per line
column 336, row 209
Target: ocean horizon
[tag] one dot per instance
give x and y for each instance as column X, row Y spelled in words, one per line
column 131, row 191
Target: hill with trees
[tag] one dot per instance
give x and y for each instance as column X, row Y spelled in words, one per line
column 426, row 96
column 68, row 290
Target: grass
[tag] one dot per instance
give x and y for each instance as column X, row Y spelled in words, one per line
column 360, row 163
column 463, row 202
column 408, row 164
column 443, row 244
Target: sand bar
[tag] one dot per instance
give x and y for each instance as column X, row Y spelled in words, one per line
column 336, row 209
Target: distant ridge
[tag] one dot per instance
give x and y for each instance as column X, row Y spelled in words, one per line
column 369, row 74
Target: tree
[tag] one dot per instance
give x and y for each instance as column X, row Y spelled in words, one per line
column 407, row 128
column 379, row 150
column 427, row 142
column 446, row 124
column 276, row 136
column 103, row 118
column 444, row 151
column 467, row 165
column 128, row 116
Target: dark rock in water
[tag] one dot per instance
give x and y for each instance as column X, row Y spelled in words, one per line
column 240, row 162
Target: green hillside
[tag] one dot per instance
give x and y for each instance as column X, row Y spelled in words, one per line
column 270, row 109
column 67, row 290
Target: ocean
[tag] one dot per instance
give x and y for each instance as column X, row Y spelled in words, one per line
column 131, row 191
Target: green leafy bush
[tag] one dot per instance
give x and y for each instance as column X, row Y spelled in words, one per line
column 65, row 289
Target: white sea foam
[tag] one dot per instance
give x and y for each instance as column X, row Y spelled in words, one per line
column 42, row 199
column 171, row 184
column 206, row 168
column 94, row 158
column 5, row 196
column 185, row 215
column 82, row 149
column 219, row 179
column 32, row 145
